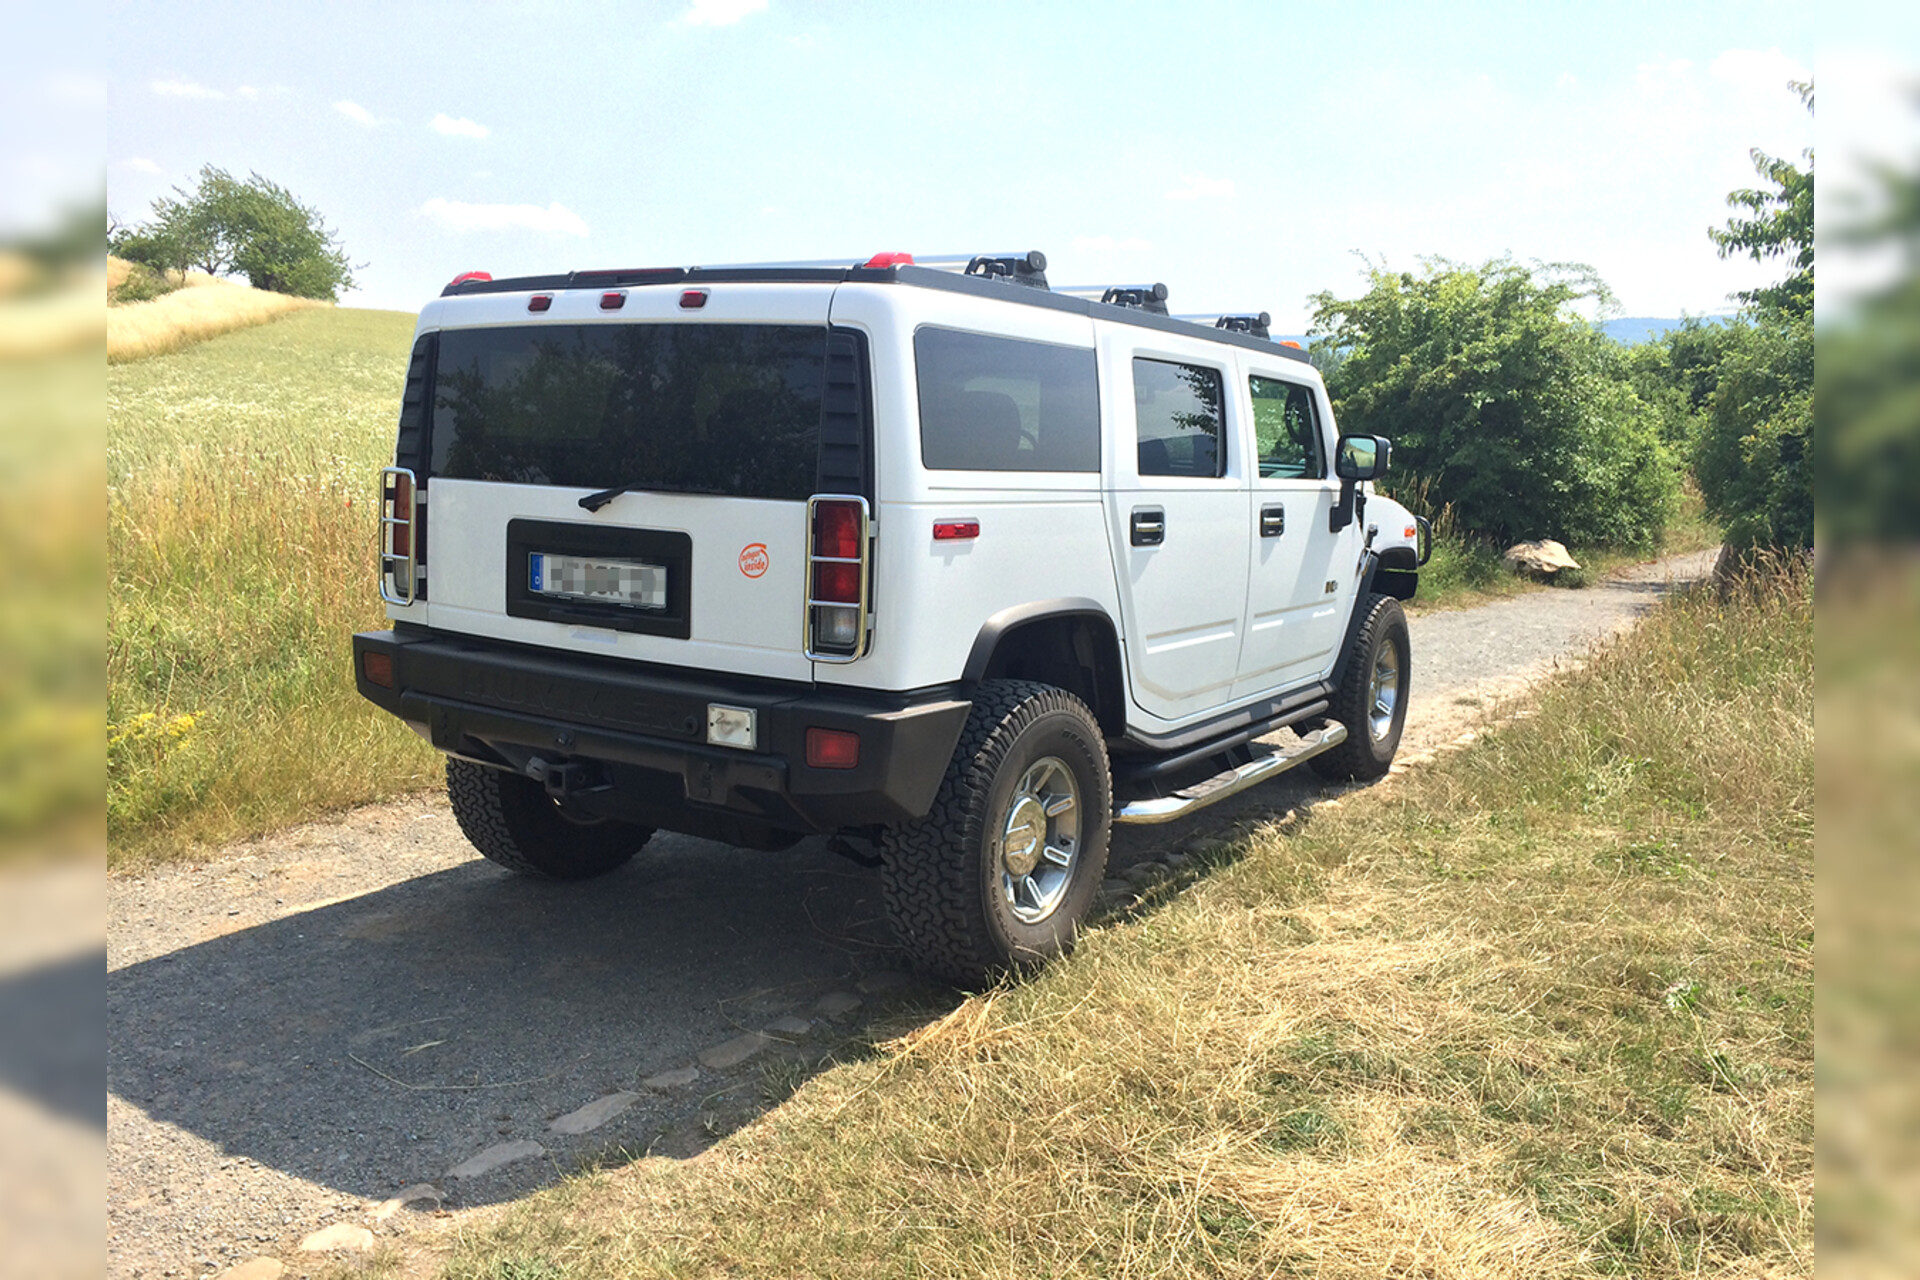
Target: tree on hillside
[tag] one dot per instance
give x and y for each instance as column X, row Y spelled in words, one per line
column 255, row 228
column 1500, row 401
column 1753, row 454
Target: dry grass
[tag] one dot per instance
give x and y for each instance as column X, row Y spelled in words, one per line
column 1543, row 1008
column 203, row 308
column 241, row 556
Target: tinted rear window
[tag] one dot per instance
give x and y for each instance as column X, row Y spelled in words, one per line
column 1003, row 404
column 706, row 408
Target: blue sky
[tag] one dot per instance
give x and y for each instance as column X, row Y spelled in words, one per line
column 1241, row 153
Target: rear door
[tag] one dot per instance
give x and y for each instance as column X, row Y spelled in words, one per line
column 712, row 416
column 1177, row 518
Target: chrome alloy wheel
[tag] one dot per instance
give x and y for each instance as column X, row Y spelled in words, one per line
column 1384, row 695
column 1037, row 844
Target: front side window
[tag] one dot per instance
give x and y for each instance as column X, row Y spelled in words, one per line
column 687, row 408
column 1005, row 404
column 1181, row 409
column 1287, row 429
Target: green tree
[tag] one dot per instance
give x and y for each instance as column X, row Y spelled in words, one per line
column 1501, row 402
column 255, row 228
column 1753, row 453
column 1780, row 226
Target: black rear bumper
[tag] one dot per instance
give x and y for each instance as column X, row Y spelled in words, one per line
column 508, row 704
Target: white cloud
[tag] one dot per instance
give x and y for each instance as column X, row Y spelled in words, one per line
column 1756, row 69
column 1566, row 80
column 1197, row 186
column 70, row 89
column 457, row 215
column 460, row 127
column 721, row 13
column 246, row 91
column 1106, row 244
column 140, row 164
column 355, row 112
column 185, row 89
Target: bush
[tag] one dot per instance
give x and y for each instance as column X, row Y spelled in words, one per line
column 1501, row 404
column 1753, row 456
column 143, row 284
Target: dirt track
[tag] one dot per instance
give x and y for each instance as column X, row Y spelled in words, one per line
column 313, row 1021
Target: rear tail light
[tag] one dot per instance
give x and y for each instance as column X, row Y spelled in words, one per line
column 403, row 536
column 838, row 613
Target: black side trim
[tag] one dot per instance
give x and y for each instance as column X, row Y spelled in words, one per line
column 1260, row 716
column 1165, row 765
column 1368, row 568
column 846, row 418
column 996, row 628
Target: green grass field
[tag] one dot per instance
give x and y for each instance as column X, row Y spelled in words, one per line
column 241, row 478
column 1542, row 1008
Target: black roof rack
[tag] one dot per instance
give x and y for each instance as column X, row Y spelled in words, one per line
column 1028, row 268
column 985, row 276
column 1147, row 297
column 1253, row 324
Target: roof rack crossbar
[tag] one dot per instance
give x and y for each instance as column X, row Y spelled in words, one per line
column 1029, row 269
column 1147, row 297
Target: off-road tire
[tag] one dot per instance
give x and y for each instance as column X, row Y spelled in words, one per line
column 942, row 883
column 512, row 821
column 1363, row 756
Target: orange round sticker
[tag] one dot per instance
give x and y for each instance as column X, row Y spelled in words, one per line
column 753, row 559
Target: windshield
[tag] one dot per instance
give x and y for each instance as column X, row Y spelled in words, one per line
column 700, row 408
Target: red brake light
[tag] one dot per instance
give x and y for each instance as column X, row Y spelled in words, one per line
column 879, row 260
column 839, row 583
column 612, row 301
column 836, row 530
column 465, row 276
column 833, row 749
column 955, row 530
column 693, row 299
column 540, row 302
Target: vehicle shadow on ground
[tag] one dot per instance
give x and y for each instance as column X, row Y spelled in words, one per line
column 381, row 1041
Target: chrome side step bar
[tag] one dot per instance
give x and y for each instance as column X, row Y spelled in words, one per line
column 1201, row 794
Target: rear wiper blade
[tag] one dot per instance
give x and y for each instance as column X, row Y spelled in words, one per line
column 595, row 501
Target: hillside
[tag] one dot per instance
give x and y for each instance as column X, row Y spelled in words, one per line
column 241, row 479
column 199, row 307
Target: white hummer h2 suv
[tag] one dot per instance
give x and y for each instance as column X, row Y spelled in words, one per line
column 955, row 566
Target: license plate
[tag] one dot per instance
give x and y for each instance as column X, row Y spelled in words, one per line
column 634, row 584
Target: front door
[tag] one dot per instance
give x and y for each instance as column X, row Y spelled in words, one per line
column 1299, row 580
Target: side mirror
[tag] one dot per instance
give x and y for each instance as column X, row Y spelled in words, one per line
column 1362, row 457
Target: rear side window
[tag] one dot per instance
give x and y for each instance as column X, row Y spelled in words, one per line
column 1003, row 404
column 1181, row 409
column 688, row 408
column 1287, row 429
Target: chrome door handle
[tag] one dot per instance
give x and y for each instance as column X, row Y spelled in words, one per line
column 1149, row 528
column 1273, row 521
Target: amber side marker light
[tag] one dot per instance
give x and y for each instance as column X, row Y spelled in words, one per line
column 378, row 668
column 833, row 749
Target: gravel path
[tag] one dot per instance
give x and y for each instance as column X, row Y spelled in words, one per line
column 319, row 1024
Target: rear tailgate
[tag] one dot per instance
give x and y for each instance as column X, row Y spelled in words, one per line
column 712, row 415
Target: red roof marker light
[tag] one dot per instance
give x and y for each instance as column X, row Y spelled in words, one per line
column 879, row 260
column 540, row 302
column 465, row 276
column 613, row 301
column 693, row 299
